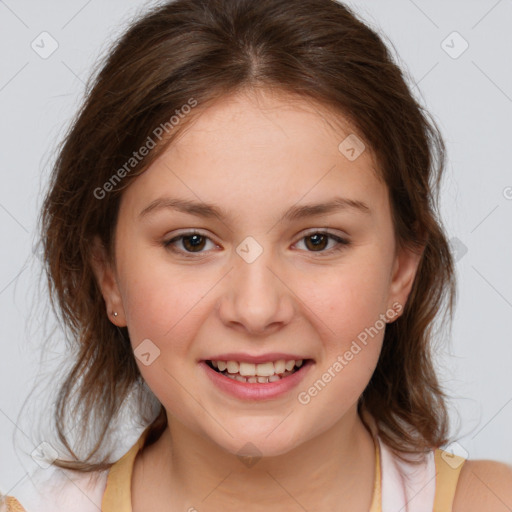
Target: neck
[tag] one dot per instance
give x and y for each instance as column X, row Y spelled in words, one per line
column 335, row 470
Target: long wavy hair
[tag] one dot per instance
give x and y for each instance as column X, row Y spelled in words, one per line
column 198, row 51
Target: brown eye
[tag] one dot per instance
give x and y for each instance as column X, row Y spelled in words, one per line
column 318, row 241
column 194, row 242
column 188, row 244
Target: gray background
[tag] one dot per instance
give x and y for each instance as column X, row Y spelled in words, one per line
column 470, row 95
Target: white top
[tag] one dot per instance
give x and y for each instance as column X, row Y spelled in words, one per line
column 399, row 485
column 60, row 490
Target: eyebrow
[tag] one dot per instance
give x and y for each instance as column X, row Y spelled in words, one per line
column 207, row 210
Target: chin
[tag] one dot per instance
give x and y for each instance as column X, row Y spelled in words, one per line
column 266, row 441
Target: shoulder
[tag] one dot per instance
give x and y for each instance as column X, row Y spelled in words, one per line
column 56, row 490
column 484, row 485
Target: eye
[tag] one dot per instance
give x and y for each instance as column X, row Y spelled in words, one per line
column 316, row 241
column 192, row 242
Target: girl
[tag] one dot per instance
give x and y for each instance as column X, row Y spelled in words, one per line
column 243, row 221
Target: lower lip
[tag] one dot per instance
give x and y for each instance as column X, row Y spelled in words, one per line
column 257, row 391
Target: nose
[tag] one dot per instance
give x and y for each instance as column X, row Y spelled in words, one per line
column 255, row 297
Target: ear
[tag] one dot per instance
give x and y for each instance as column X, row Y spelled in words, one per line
column 404, row 271
column 107, row 282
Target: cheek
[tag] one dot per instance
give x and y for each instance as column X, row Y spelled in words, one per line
column 163, row 304
column 349, row 309
column 160, row 300
column 348, row 305
column 345, row 300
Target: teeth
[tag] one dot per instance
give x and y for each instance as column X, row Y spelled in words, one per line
column 233, row 367
column 254, row 380
column 289, row 365
column 247, row 369
column 261, row 372
column 265, row 369
column 280, row 366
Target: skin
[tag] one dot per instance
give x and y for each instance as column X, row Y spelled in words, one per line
column 256, row 155
column 484, row 485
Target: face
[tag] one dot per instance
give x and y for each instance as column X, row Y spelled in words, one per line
column 261, row 279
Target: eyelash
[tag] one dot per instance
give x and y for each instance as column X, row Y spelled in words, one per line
column 341, row 243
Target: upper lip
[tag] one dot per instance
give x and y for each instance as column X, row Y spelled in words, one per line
column 248, row 358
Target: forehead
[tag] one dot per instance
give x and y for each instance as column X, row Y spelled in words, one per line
column 264, row 149
column 268, row 121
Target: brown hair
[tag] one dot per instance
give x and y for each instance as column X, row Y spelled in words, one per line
column 199, row 51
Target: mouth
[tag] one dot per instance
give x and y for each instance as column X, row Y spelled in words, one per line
column 260, row 373
column 269, row 376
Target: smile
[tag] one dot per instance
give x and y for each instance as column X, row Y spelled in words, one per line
column 270, row 371
column 256, row 381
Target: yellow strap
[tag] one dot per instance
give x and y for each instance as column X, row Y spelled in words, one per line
column 117, row 495
column 376, row 505
column 448, row 468
column 13, row 505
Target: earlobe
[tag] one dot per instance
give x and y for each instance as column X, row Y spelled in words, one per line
column 107, row 282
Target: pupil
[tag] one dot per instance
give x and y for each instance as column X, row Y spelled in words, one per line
column 318, row 242
column 196, row 245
